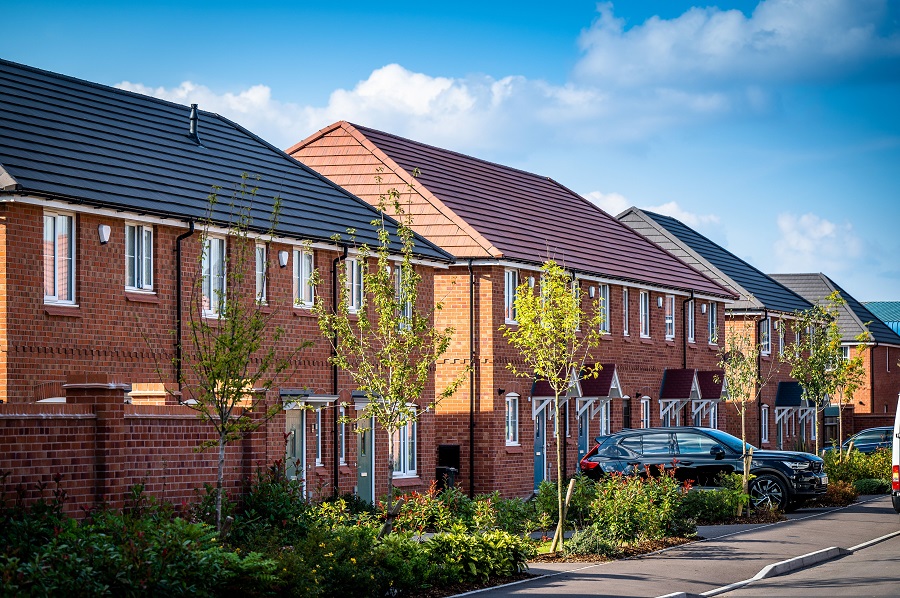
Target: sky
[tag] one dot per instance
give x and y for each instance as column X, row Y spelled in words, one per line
column 772, row 127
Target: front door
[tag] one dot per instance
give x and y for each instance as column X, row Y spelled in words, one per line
column 540, row 448
column 365, row 460
column 583, row 435
column 295, row 451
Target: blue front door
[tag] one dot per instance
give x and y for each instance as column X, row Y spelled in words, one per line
column 583, row 435
column 540, row 448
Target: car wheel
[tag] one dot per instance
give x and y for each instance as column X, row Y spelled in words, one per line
column 768, row 491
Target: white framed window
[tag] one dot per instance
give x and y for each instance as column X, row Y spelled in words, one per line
column 845, row 352
column 765, row 336
column 713, row 324
column 625, row 312
column 645, row 413
column 603, row 291
column 714, row 416
column 261, row 273
column 812, row 426
column 576, row 293
column 691, row 322
column 670, row 317
column 59, row 258
column 342, row 436
column 406, row 307
column 645, row 314
column 512, row 419
column 213, row 276
column 511, row 278
column 780, row 327
column 404, row 444
column 319, row 437
column 304, row 292
column 604, row 419
column 565, row 414
column 764, row 423
column 138, row 257
column 354, row 284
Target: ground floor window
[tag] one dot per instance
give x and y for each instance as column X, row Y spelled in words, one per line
column 404, row 445
column 764, row 423
column 512, row 419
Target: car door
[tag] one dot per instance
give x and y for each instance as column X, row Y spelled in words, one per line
column 696, row 458
column 658, row 452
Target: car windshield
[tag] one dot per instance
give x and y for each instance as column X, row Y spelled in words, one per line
column 728, row 440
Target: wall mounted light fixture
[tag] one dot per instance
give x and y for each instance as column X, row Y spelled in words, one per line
column 592, row 292
column 103, row 230
column 703, row 308
column 659, row 302
column 500, row 391
column 282, row 258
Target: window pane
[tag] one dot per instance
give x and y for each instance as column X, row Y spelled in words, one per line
column 260, row 272
column 657, row 444
column 50, row 256
column 307, row 273
column 130, row 253
column 411, row 461
column 66, row 255
column 147, row 273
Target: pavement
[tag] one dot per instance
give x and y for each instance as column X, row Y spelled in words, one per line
column 728, row 555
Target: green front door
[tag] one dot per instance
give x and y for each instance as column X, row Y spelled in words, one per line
column 295, row 451
column 365, row 460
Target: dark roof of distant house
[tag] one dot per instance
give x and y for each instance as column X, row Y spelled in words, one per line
column 81, row 142
column 529, row 218
column 789, row 394
column 711, row 382
column 853, row 317
column 678, row 384
column 756, row 290
column 886, row 311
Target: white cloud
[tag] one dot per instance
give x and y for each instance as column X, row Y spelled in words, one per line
column 615, row 203
column 809, row 243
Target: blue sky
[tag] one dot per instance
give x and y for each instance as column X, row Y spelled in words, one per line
column 772, row 127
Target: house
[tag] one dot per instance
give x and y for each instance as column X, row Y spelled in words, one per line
column 886, row 311
column 875, row 402
column 105, row 216
column 763, row 311
column 501, row 224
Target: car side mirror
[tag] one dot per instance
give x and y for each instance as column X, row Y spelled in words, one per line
column 718, row 452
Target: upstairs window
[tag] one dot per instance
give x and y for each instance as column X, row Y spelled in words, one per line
column 713, row 324
column 138, row 257
column 509, row 295
column 354, row 285
column 213, row 277
column 59, row 258
column 406, row 307
column 645, row 314
column 691, row 322
column 765, row 336
column 304, row 293
column 261, row 273
column 670, row 317
column 625, row 312
column 603, row 290
column 780, row 327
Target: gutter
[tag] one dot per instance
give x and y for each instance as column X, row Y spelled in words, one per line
column 178, row 309
column 472, row 380
column 334, row 370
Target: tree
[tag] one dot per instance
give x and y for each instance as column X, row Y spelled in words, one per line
column 849, row 375
column 388, row 343
column 555, row 337
column 816, row 352
column 235, row 353
column 744, row 376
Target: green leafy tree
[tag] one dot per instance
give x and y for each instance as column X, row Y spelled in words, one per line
column 744, row 376
column 235, row 353
column 388, row 344
column 816, row 353
column 849, row 375
column 555, row 338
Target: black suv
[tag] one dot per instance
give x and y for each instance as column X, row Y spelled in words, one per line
column 783, row 479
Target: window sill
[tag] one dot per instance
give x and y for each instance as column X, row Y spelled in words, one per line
column 345, row 469
column 70, row 311
column 511, row 322
column 407, row 481
column 605, row 336
column 304, row 312
column 514, row 449
column 141, row 297
column 646, row 340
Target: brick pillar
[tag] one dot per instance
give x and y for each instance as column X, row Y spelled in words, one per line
column 108, row 400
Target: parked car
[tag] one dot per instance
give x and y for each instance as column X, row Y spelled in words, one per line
column 782, row 479
column 867, row 441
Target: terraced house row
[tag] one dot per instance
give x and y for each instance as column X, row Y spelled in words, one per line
column 105, row 218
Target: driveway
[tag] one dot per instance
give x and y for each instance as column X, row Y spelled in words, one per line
column 726, row 557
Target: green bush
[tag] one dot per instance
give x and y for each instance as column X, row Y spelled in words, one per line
column 464, row 557
column 589, row 541
column 872, row 486
column 718, row 505
column 423, row 512
column 857, row 466
column 579, row 511
column 838, row 494
column 633, row 509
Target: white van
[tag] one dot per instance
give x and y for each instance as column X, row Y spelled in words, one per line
column 895, row 461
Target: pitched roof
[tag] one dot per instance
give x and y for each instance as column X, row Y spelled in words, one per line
column 501, row 212
column 789, row 394
column 602, row 384
column 886, row 311
column 756, row 290
column 711, row 384
column 81, row 142
column 679, row 384
column 853, row 318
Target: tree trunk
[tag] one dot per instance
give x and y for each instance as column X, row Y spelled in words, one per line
column 560, row 524
column 840, row 432
column 816, row 428
column 745, row 460
column 220, row 477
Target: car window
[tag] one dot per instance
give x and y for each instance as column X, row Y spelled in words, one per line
column 658, row 444
column 869, row 436
column 632, row 444
column 691, row 443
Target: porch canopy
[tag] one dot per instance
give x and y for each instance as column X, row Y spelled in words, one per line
column 789, row 399
column 712, row 391
column 298, row 398
column 679, row 386
column 590, row 393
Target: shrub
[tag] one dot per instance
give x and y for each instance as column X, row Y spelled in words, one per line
column 838, row 494
column 513, row 514
column 344, row 511
column 718, row 505
column 467, row 557
column 579, row 511
column 857, row 466
column 590, row 541
column 423, row 512
column 872, row 486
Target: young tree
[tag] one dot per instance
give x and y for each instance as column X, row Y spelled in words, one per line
column 388, row 343
column 849, row 375
column 234, row 353
column 744, row 375
column 555, row 337
column 815, row 353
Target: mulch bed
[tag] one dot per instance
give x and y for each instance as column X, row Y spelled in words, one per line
column 758, row 516
column 460, row 588
column 627, row 552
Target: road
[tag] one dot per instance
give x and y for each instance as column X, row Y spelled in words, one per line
column 718, row 561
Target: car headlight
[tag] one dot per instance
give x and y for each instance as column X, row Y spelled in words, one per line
column 797, row 465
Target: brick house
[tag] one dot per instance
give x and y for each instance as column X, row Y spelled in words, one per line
column 763, row 311
column 875, row 402
column 501, row 224
column 103, row 198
